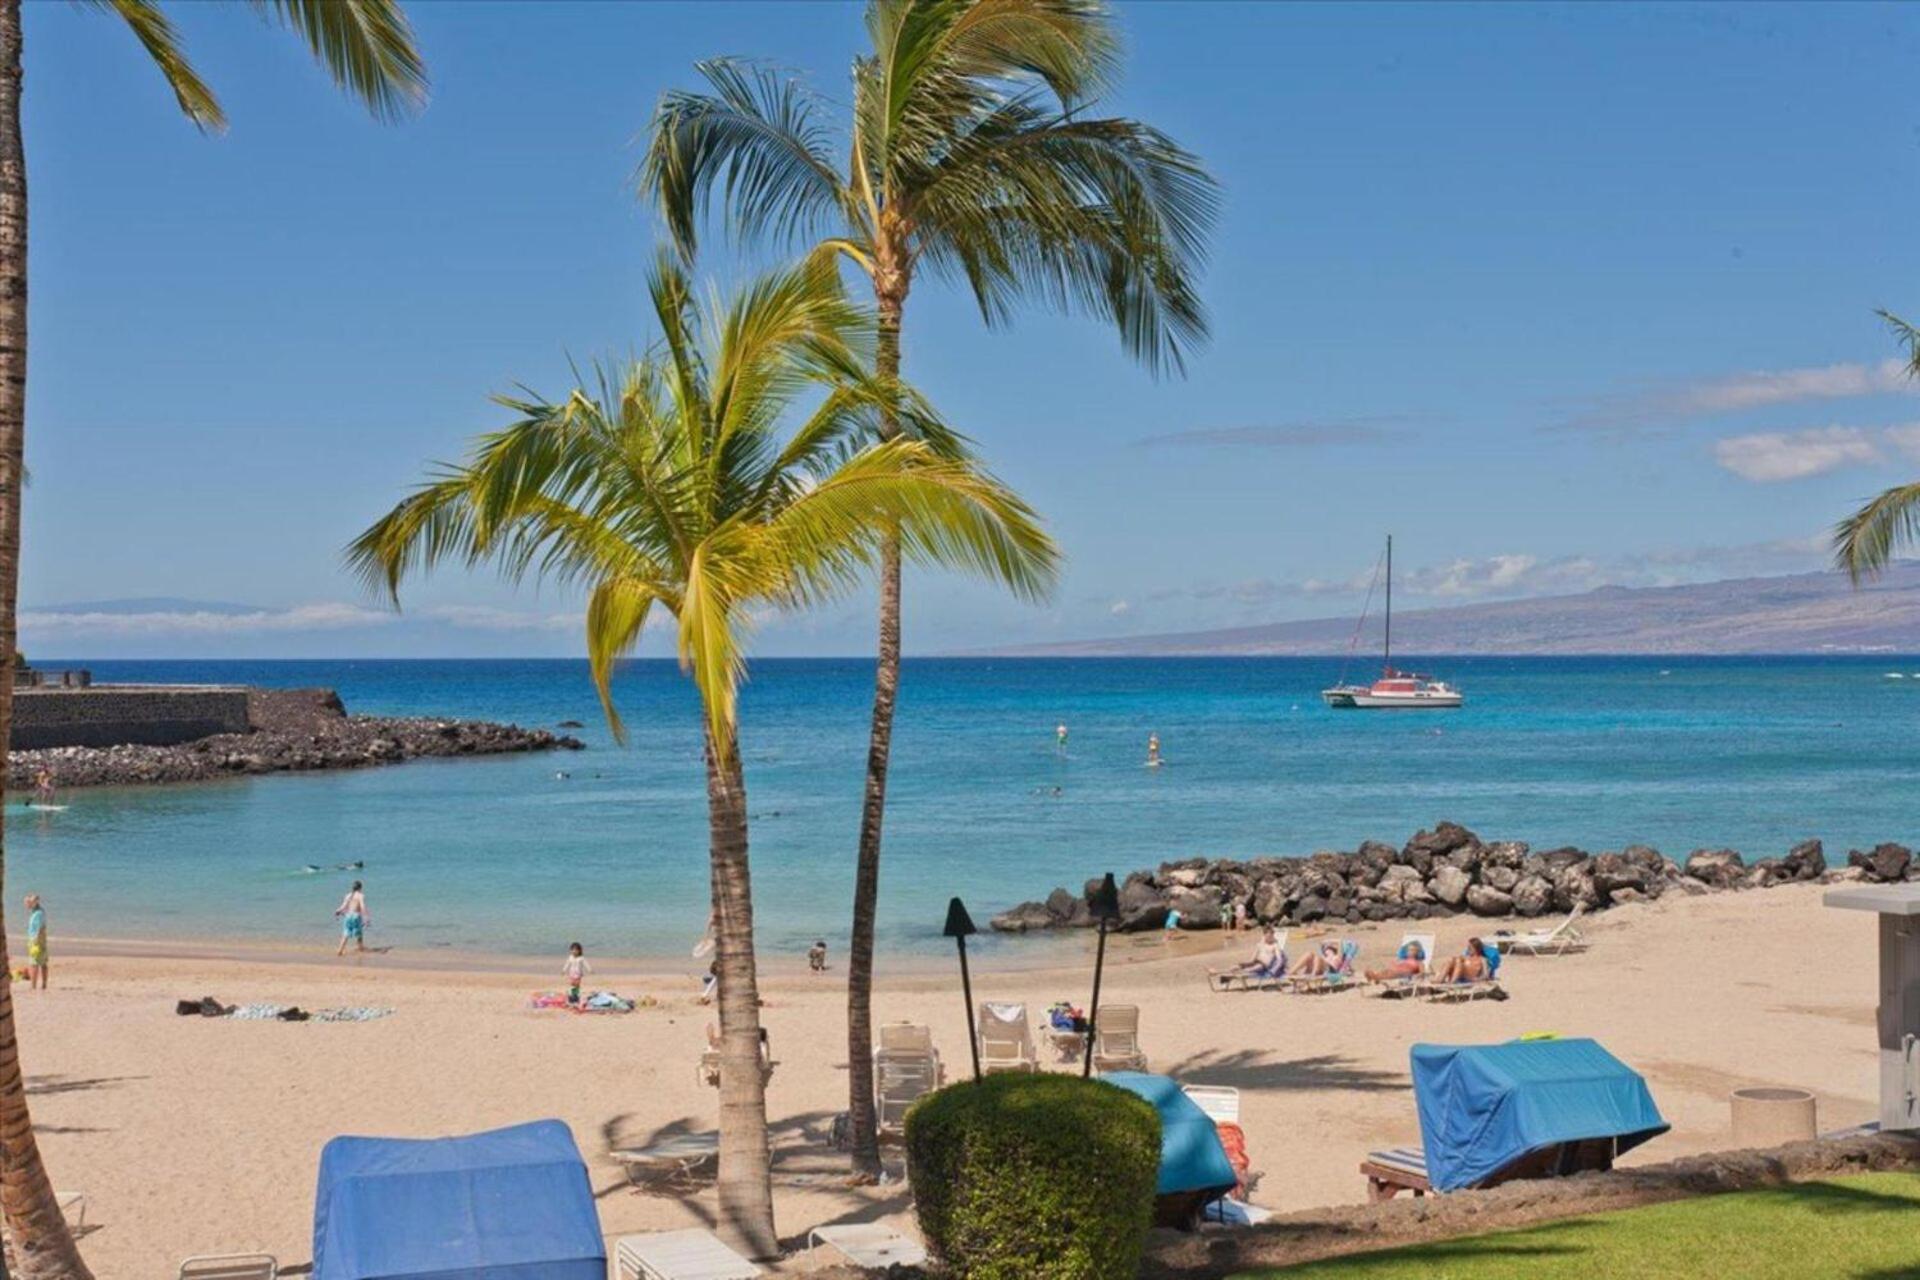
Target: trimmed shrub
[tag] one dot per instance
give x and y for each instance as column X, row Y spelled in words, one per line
column 1034, row 1177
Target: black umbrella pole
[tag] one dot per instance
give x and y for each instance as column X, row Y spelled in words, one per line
column 966, row 985
column 1093, row 1008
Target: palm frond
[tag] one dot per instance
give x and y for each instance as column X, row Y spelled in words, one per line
column 616, row 615
column 367, row 46
column 1909, row 338
column 1864, row 543
column 757, row 139
column 156, row 35
column 1108, row 217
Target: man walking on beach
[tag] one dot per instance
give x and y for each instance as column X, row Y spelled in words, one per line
column 352, row 913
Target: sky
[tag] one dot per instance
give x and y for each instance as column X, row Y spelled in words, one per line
column 1560, row 296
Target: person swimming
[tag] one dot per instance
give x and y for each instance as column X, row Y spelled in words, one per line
column 1153, row 751
column 1060, row 735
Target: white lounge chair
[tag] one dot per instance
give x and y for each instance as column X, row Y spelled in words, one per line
column 1239, row 979
column 1116, row 1039
column 230, row 1266
column 1465, row 989
column 1346, row 974
column 1006, row 1039
column 1220, row 1102
column 691, row 1254
column 1557, row 941
column 675, row 1159
column 906, row 1068
column 1414, row 982
column 868, row 1245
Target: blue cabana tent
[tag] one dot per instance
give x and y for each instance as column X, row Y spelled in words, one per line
column 1194, row 1170
column 512, row 1204
column 1486, row 1108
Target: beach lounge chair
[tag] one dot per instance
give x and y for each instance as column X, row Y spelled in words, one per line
column 1557, row 941
column 1116, row 1039
column 709, row 1068
column 230, row 1266
column 1394, row 988
column 1006, row 1038
column 1239, row 979
column 870, row 1246
column 690, row 1254
column 905, row 1068
column 1523, row 1109
column 1345, row 974
column 677, row 1159
column 1220, row 1102
column 1471, row 988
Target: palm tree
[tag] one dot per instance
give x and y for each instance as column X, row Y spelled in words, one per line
column 968, row 154
column 671, row 488
column 1865, row 541
column 368, row 48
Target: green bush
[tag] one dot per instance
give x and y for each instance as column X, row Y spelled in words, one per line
column 1034, row 1177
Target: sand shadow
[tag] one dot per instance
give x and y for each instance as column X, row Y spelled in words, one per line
column 45, row 1086
column 1251, row 1069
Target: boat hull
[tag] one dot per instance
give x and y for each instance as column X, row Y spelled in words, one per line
column 1367, row 700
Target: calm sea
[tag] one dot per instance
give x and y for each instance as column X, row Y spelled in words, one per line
column 503, row 855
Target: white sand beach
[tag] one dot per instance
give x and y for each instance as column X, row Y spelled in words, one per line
column 192, row 1135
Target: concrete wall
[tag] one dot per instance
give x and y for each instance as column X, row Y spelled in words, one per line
column 116, row 715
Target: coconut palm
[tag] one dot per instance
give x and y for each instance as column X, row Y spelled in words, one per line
column 968, row 153
column 671, row 487
column 1865, row 541
column 368, row 48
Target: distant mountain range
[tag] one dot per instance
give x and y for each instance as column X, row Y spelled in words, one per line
column 1800, row 613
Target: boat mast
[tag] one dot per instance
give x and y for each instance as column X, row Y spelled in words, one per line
column 1389, row 655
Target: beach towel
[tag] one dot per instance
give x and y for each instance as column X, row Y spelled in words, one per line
column 1234, row 1139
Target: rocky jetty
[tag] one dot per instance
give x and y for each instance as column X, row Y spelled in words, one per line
column 293, row 730
column 1448, row 871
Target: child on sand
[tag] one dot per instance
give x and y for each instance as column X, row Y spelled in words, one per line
column 576, row 970
column 817, row 956
column 36, row 944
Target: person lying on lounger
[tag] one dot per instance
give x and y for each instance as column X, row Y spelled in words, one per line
column 1407, row 962
column 1320, row 963
column 1476, row 965
column 1269, row 961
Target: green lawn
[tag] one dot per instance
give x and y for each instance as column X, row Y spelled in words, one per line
column 1865, row 1227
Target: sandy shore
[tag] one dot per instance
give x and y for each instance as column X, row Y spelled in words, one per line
column 191, row 1135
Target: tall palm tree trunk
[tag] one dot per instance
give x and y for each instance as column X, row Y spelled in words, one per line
column 43, row 1247
column 746, row 1167
column 866, row 882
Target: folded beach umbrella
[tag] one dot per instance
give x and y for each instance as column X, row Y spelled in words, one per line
column 1194, row 1169
column 512, row 1204
column 1483, row 1108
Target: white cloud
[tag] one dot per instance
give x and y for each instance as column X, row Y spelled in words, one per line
column 1288, row 435
column 1120, row 609
column 326, row 615
column 1768, row 457
column 1756, row 389
column 476, row 617
column 323, row 616
column 1906, row 438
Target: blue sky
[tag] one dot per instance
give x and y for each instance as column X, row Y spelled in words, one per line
column 1561, row 296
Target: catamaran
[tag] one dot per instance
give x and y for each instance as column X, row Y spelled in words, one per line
column 1394, row 689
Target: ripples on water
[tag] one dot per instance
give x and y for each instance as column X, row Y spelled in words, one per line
column 502, row 855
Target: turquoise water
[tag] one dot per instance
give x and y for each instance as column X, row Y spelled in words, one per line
column 500, row 855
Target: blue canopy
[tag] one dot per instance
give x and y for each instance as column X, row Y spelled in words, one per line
column 1482, row 1107
column 513, row 1204
column 1191, row 1157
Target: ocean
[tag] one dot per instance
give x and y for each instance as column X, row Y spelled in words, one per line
column 502, row 855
